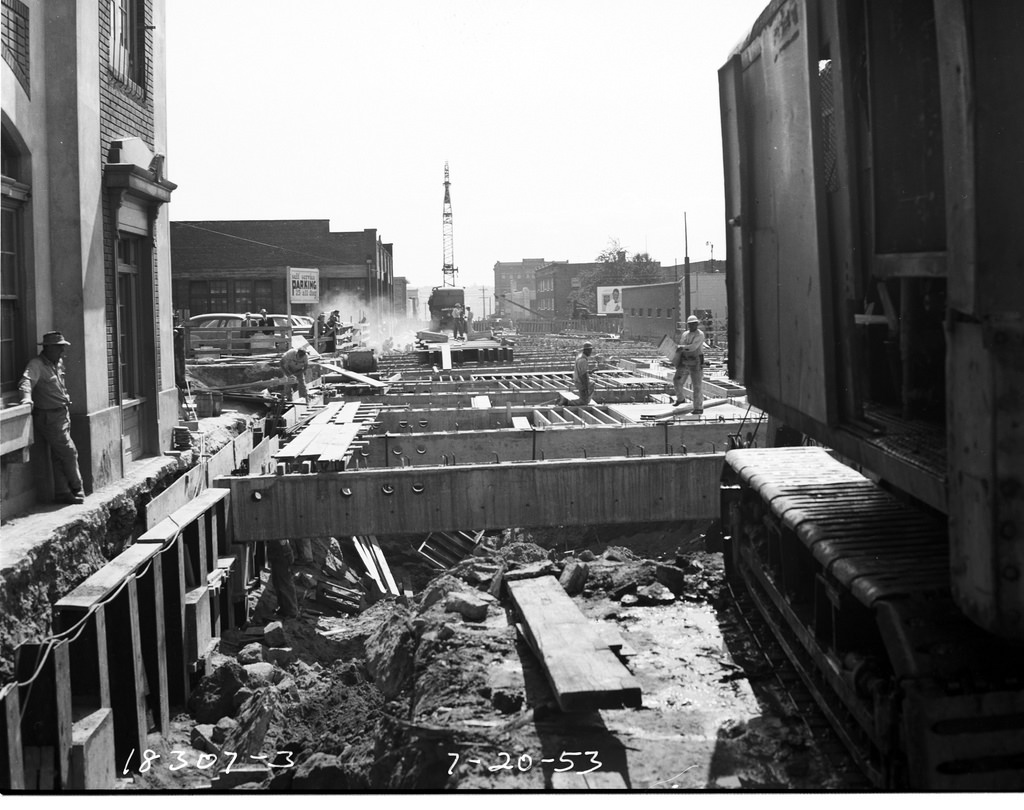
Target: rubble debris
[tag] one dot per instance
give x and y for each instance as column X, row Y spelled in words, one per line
column 536, row 569
column 251, row 653
column 202, row 739
column 470, row 605
column 320, row 772
column 390, row 651
column 654, row 594
column 274, row 635
column 224, row 727
column 262, row 673
column 573, row 577
column 213, row 698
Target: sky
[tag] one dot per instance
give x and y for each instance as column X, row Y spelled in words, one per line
column 567, row 126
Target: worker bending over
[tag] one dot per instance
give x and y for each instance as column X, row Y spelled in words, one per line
column 581, row 374
column 294, row 363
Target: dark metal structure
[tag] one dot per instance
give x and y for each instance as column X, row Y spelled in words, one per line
column 875, row 292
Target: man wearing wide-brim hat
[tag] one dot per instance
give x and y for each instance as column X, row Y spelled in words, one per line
column 42, row 386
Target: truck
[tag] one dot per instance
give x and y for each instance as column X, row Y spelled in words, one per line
column 874, row 254
column 441, row 302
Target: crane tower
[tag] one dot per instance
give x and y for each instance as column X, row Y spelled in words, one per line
column 448, row 269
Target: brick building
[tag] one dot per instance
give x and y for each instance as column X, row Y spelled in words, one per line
column 555, row 282
column 650, row 311
column 511, row 279
column 241, row 265
column 85, row 247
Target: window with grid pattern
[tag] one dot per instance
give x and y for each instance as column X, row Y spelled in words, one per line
column 128, row 308
column 128, row 42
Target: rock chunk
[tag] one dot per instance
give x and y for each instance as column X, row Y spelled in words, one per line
column 274, row 635
column 224, row 727
column 262, row 673
column 470, row 605
column 321, row 772
column 251, row 653
column 214, row 697
column 573, row 577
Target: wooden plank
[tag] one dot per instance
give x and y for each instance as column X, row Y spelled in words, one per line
column 220, row 463
column 45, row 711
column 369, row 563
column 177, row 495
column 92, row 752
column 12, row 764
column 109, row 578
column 353, row 376
column 197, row 506
column 382, row 564
column 583, row 673
column 337, row 441
column 127, row 675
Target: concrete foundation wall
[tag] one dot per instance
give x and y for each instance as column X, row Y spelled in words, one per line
column 486, row 446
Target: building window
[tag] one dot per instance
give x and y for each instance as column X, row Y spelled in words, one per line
column 668, row 312
column 243, row 296
column 16, row 40
column 264, row 295
column 648, row 312
column 129, row 305
column 218, row 296
column 10, row 309
column 198, row 298
column 659, row 312
column 12, row 270
column 128, row 42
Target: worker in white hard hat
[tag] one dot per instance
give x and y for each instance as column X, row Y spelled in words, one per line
column 689, row 361
column 581, row 373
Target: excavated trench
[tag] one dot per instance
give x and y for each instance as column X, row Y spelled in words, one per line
column 411, row 694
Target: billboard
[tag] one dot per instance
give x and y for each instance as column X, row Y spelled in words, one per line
column 304, row 285
column 609, row 300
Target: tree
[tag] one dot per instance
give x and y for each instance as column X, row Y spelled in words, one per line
column 614, row 269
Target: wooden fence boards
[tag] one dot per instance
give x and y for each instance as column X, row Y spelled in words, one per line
column 583, row 672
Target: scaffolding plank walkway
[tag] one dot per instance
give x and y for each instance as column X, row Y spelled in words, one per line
column 583, row 672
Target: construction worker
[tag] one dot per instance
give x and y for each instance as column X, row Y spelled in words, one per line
column 689, row 361
column 294, row 363
column 280, row 557
column 42, row 386
column 581, row 374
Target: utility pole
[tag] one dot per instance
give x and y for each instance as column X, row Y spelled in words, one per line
column 686, row 275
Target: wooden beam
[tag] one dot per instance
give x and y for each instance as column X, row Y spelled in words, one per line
column 482, row 496
column 583, row 672
column 45, row 713
column 12, row 765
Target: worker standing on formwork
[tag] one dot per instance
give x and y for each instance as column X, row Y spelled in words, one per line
column 294, row 363
column 581, row 374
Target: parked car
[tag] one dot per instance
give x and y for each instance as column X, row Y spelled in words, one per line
column 224, row 330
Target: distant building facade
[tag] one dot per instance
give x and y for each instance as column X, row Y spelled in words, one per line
column 556, row 281
column 85, row 231
column 241, row 266
column 651, row 311
column 512, row 278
